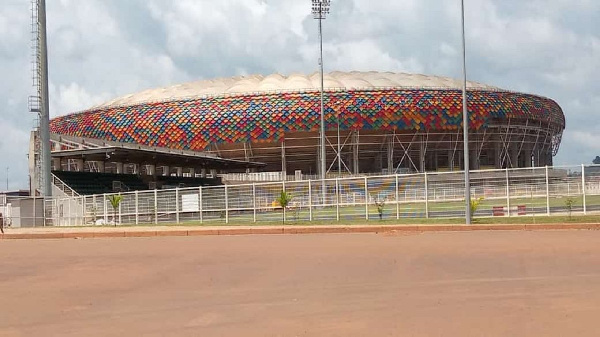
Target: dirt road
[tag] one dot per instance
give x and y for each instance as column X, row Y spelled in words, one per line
column 432, row 284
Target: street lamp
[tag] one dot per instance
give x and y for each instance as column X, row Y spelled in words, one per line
column 320, row 8
column 465, row 120
column 339, row 155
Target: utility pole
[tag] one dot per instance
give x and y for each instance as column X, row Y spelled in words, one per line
column 320, row 9
column 465, row 121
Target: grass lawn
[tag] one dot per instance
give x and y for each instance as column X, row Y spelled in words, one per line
column 575, row 219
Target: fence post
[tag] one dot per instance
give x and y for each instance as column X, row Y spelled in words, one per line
column 70, row 215
column 200, row 202
column 283, row 208
column 155, row 207
column 507, row 193
column 366, row 199
column 547, row 192
column 94, row 209
column 583, row 188
column 83, row 212
column 397, row 201
column 426, row 196
column 310, row 215
column 137, row 209
column 337, row 199
column 105, row 216
column 254, row 202
column 226, row 206
column 177, row 204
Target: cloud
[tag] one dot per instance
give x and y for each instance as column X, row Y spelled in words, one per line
column 101, row 49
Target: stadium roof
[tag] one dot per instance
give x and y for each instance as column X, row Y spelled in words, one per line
column 354, row 80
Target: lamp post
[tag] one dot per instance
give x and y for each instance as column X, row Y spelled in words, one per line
column 339, row 155
column 45, row 114
column 320, row 8
column 465, row 120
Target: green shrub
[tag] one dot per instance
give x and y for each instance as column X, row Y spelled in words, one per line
column 115, row 201
column 474, row 205
column 284, row 201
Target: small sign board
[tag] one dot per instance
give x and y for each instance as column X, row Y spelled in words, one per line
column 189, row 203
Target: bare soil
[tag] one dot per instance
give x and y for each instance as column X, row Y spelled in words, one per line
column 488, row 283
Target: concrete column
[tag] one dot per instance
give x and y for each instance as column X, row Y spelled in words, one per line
column 318, row 161
column 166, row 170
column 151, row 170
column 192, row 172
column 283, row 162
column 179, row 171
column 119, row 167
column 100, row 165
column 497, row 153
column 451, row 160
column 527, row 151
column 203, row 173
column 422, row 156
column 514, row 154
column 474, row 162
column 355, row 163
column 135, row 168
column 79, row 164
column 390, row 155
column 213, row 172
column 549, row 157
column 56, row 164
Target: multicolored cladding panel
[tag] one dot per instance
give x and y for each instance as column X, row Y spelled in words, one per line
column 195, row 123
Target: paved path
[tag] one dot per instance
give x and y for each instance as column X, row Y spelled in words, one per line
column 480, row 283
column 146, row 231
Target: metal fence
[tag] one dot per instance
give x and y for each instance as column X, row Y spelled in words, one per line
column 22, row 211
column 509, row 192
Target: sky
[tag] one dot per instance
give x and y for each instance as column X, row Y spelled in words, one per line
column 102, row 49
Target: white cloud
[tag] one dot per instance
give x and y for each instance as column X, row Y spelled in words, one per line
column 100, row 49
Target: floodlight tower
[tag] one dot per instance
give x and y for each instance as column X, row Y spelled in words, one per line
column 39, row 103
column 320, row 9
column 465, row 120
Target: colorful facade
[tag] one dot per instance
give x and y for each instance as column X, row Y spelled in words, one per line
column 196, row 124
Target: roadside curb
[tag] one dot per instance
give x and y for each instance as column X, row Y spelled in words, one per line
column 292, row 230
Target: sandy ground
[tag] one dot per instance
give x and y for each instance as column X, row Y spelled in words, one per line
column 542, row 283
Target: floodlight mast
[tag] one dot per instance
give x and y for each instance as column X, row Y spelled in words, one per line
column 320, row 9
column 465, row 121
column 45, row 106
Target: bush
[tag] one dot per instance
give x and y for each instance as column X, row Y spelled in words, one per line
column 474, row 205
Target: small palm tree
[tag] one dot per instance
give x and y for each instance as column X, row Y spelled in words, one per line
column 284, row 201
column 115, row 201
column 380, row 207
column 569, row 205
column 474, row 205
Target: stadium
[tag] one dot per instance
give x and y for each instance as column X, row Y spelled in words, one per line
column 381, row 122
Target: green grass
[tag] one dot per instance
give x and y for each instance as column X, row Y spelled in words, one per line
column 575, row 219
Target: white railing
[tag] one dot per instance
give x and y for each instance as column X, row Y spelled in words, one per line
column 511, row 192
column 63, row 187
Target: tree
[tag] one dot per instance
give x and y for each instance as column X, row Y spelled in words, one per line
column 284, row 201
column 597, row 160
column 115, row 201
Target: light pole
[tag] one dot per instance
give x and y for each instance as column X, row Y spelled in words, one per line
column 320, row 8
column 339, row 155
column 465, row 120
